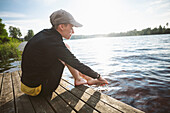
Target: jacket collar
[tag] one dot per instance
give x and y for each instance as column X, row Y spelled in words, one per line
column 57, row 33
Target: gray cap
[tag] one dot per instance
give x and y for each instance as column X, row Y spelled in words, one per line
column 63, row 17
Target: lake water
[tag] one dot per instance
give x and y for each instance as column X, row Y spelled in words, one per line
column 137, row 68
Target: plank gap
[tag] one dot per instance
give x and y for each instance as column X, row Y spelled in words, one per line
column 13, row 92
column 31, row 103
column 1, row 81
column 19, row 73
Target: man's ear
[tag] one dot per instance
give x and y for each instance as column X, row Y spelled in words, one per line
column 61, row 27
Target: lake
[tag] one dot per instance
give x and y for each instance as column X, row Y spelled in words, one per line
column 136, row 67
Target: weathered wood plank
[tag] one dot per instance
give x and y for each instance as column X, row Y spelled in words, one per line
column 95, row 103
column 41, row 105
column 109, row 100
column 6, row 98
column 59, row 105
column 22, row 102
column 73, row 101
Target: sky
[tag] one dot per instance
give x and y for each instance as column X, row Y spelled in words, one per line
column 97, row 16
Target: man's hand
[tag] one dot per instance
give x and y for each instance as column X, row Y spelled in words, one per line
column 102, row 81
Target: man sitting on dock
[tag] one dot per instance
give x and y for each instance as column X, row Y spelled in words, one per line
column 46, row 55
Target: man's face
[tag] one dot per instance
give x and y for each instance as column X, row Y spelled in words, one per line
column 67, row 31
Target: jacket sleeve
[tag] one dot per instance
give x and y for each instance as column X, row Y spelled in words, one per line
column 65, row 55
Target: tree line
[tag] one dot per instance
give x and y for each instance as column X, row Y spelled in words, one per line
column 14, row 33
column 147, row 31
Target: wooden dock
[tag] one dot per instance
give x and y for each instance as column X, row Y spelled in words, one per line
column 66, row 99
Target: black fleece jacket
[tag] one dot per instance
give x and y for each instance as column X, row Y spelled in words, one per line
column 41, row 54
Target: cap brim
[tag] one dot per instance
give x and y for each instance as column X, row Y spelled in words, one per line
column 76, row 24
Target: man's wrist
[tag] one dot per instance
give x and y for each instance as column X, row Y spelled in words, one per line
column 98, row 76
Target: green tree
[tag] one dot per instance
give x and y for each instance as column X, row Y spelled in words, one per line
column 3, row 31
column 167, row 24
column 163, row 30
column 155, row 31
column 14, row 32
column 29, row 35
column 148, row 31
column 160, row 29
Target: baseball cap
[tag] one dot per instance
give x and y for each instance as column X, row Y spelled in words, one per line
column 63, row 17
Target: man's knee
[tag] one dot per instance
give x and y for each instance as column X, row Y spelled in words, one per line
column 62, row 62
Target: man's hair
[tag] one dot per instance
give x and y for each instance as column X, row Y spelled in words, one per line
column 56, row 26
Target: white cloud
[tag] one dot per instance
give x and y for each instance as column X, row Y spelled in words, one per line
column 159, row 5
column 24, row 25
column 166, row 14
column 47, row 2
column 11, row 14
column 156, row 2
column 158, row 11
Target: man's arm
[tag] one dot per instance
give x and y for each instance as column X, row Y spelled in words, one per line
column 65, row 55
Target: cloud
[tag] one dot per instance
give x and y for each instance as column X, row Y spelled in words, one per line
column 24, row 25
column 48, row 2
column 159, row 8
column 160, row 4
column 156, row 2
column 11, row 14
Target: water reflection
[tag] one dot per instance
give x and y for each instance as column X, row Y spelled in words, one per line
column 10, row 65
